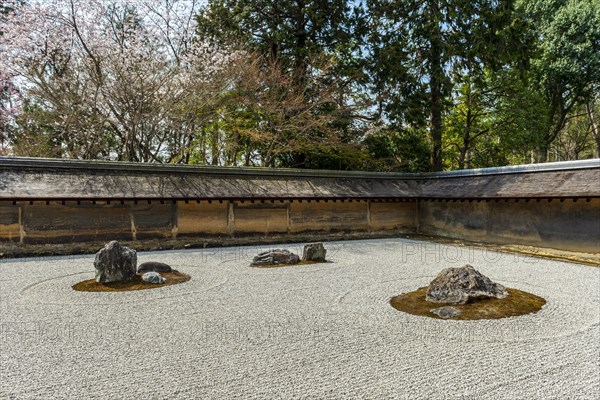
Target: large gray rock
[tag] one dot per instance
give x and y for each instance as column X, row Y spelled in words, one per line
column 154, row 266
column 115, row 263
column 276, row 256
column 153, row 277
column 314, row 252
column 461, row 285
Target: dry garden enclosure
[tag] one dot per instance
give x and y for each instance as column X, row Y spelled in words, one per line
column 299, row 283
column 321, row 330
column 346, row 321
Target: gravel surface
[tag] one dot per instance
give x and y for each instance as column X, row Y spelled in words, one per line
column 308, row 331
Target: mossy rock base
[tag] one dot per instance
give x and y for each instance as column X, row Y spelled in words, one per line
column 516, row 303
column 301, row 262
column 90, row 285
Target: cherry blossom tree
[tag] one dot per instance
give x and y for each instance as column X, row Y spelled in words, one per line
column 122, row 80
column 9, row 109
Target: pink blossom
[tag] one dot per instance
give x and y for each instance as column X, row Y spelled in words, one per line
column 125, row 63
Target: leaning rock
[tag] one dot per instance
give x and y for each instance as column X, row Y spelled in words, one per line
column 277, row 256
column 153, row 266
column 153, row 277
column 461, row 285
column 446, row 312
column 115, row 263
column 314, row 252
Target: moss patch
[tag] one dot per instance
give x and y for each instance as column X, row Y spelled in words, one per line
column 516, row 303
column 90, row 285
column 301, row 262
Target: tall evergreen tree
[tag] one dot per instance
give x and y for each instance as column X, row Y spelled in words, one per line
column 416, row 46
column 302, row 38
column 287, row 32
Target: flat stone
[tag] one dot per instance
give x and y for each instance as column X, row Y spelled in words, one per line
column 446, row 312
column 314, row 252
column 115, row 263
column 154, row 266
column 276, row 256
column 153, row 277
column 461, row 285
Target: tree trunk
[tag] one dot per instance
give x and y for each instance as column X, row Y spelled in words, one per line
column 541, row 153
column 557, row 120
column 436, row 73
column 214, row 148
column 594, row 126
column 467, row 134
column 301, row 37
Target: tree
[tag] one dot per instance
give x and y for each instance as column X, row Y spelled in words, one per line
column 269, row 112
column 290, row 34
column 9, row 95
column 466, row 122
column 314, row 44
column 111, row 80
column 416, row 46
column 9, row 110
column 576, row 140
column 592, row 109
column 490, row 122
column 566, row 70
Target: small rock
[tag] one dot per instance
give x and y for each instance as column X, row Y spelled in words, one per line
column 314, row 252
column 446, row 312
column 154, row 266
column 461, row 285
column 115, row 263
column 276, row 256
column 153, row 277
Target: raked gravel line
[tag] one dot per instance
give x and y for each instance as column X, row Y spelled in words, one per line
column 321, row 331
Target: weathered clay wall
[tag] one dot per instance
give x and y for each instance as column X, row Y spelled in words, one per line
column 44, row 201
column 39, row 222
column 562, row 224
column 202, row 218
column 10, row 222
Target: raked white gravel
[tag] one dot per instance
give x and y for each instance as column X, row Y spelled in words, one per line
column 322, row 331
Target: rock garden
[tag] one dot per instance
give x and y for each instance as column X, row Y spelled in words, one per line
column 117, row 271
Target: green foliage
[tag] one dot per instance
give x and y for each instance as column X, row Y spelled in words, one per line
column 405, row 150
column 289, row 33
column 566, row 69
column 416, row 46
column 388, row 85
column 306, row 74
column 491, row 121
column 577, row 140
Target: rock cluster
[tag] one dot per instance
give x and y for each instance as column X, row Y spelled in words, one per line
column 461, row 285
column 276, row 256
column 115, row 263
column 314, row 252
column 311, row 252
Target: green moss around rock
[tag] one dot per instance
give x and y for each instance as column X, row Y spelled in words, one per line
column 301, row 262
column 90, row 285
column 516, row 303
